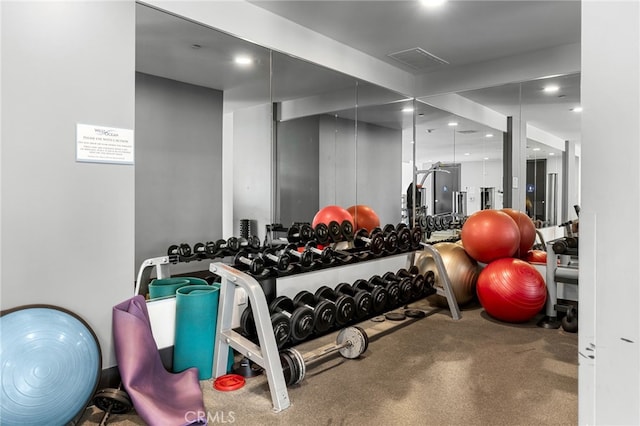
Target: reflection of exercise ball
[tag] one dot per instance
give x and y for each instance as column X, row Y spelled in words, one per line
column 488, row 235
column 461, row 268
column 535, row 256
column 527, row 230
column 364, row 217
column 331, row 213
column 511, row 290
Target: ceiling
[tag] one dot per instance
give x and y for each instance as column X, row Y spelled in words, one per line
column 460, row 32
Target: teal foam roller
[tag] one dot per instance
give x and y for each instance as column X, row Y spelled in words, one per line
column 196, row 318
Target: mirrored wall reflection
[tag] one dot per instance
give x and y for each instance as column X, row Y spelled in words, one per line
column 203, row 115
column 458, row 165
column 315, row 137
column 546, row 132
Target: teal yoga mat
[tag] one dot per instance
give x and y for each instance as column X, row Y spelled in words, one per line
column 163, row 287
column 196, row 318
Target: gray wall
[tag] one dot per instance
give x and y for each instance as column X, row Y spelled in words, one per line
column 298, row 169
column 379, row 166
column 337, row 162
column 178, row 167
column 67, row 227
column 609, row 348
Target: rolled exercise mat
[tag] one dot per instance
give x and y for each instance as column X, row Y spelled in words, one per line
column 196, row 318
column 163, row 287
column 51, row 363
column 159, row 397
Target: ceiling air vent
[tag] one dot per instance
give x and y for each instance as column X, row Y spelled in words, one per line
column 418, row 59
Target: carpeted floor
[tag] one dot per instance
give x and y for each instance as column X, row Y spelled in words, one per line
column 432, row 371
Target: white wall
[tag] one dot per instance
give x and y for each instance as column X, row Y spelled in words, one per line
column 67, row 227
column 609, row 340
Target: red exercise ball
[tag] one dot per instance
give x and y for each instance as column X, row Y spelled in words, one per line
column 527, row 230
column 488, row 235
column 331, row 213
column 364, row 217
column 535, row 256
column 511, row 290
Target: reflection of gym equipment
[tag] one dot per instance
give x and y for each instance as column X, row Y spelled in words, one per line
column 561, row 279
column 487, row 198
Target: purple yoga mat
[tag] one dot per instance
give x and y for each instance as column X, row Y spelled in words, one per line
column 160, row 398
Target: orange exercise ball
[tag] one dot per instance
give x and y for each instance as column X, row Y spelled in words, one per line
column 527, row 230
column 535, row 256
column 331, row 213
column 491, row 234
column 364, row 217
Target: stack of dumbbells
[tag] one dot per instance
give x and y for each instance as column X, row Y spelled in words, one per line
column 309, row 315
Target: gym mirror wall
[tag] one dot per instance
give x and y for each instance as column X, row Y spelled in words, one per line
column 197, row 111
column 546, row 117
column 338, row 142
column 458, row 164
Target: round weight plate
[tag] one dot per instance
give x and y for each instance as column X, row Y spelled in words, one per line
column 404, row 239
column 347, row 230
column 364, row 302
column 254, row 242
column 393, row 291
column 281, row 303
column 414, row 313
column 306, row 232
column 300, row 368
column 247, row 324
column 322, row 233
column 416, row 236
column 406, row 291
column 358, row 342
column 301, row 323
column 281, row 328
column 229, row 382
column 335, row 233
column 345, row 309
column 115, row 399
column 288, row 369
column 305, row 298
column 51, row 364
column 388, row 228
column 379, row 298
column 379, row 318
column 395, row 316
column 324, row 316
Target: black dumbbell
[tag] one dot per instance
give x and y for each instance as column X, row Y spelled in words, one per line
column 381, row 297
column 208, row 249
column 406, row 285
column 326, row 255
column 363, row 299
column 300, row 318
column 345, row 305
column 404, row 289
column 374, row 242
column 300, row 233
column 416, row 237
column 322, row 233
column 335, row 231
column 280, row 260
column 182, row 250
column 235, row 244
column 305, row 259
column 390, row 239
column 279, row 322
column 418, row 280
column 324, row 311
column 346, row 227
column 404, row 237
column 255, row 264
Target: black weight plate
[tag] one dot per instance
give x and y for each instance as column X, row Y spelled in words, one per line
column 347, row 230
column 345, row 309
column 281, row 328
column 395, row 316
column 379, row 299
column 335, row 232
column 322, row 233
column 302, row 323
column 306, row 232
column 304, row 298
column 247, row 324
column 414, row 313
column 388, row 228
column 325, row 316
column 281, row 303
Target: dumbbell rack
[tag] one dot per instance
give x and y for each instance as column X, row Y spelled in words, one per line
column 144, row 273
column 266, row 355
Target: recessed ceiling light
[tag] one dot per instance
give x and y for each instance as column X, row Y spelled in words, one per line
column 467, row 153
column 577, row 109
column 485, row 158
column 552, row 153
column 536, row 149
column 407, row 109
column 452, row 123
column 433, row 3
column 243, row 60
column 551, row 89
column 488, row 135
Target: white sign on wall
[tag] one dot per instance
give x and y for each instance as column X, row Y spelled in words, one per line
column 99, row 144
